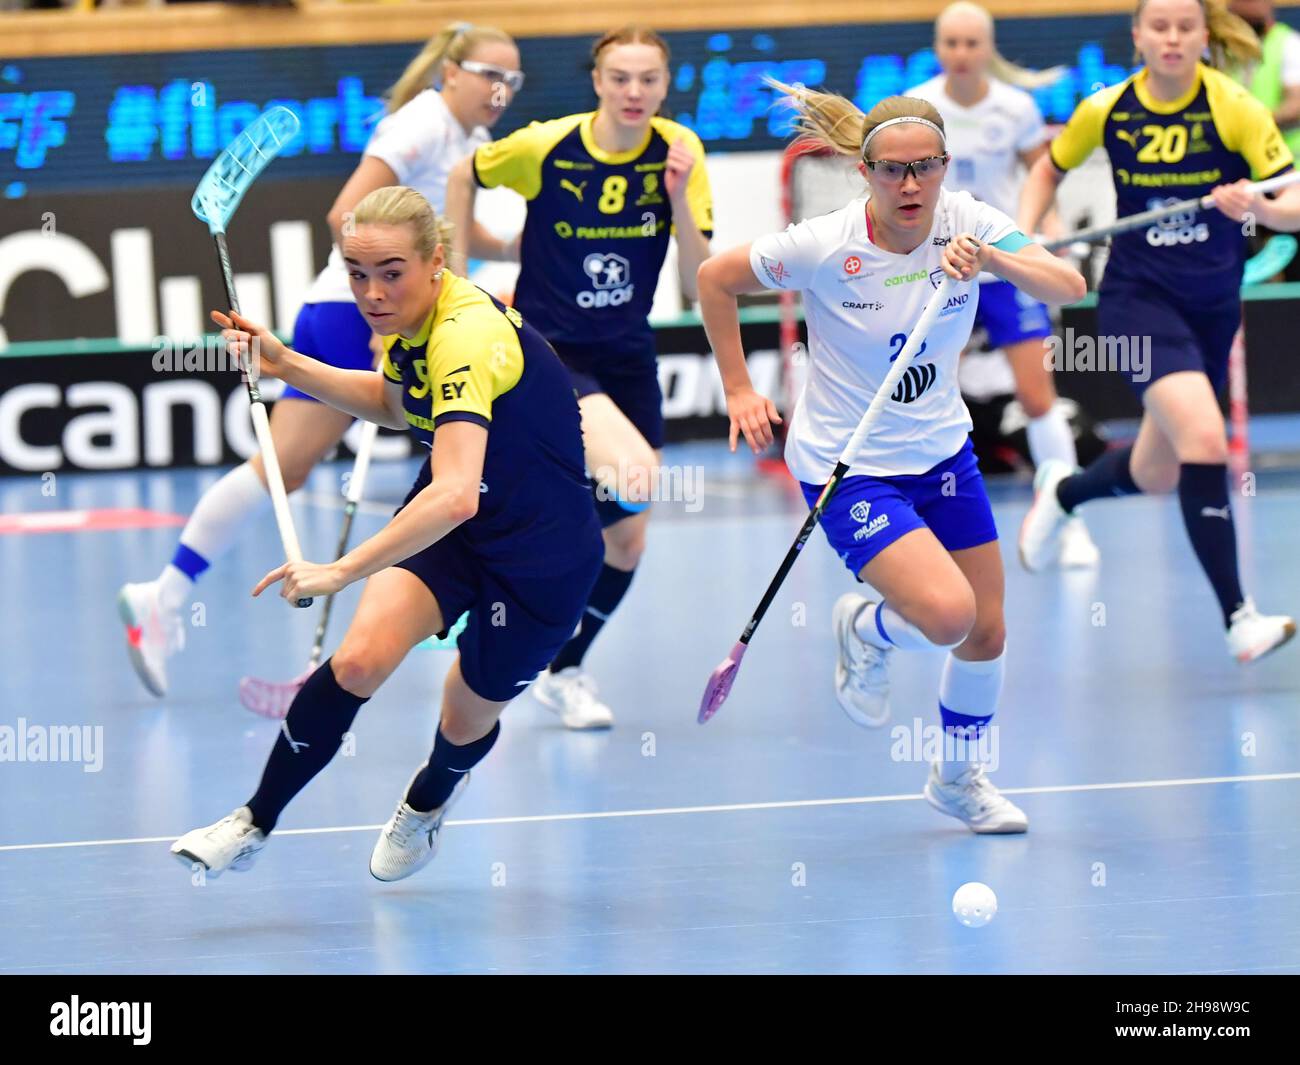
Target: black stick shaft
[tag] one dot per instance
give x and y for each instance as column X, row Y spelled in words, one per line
column 810, row 523
column 344, row 535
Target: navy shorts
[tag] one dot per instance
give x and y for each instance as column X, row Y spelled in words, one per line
column 335, row 333
column 867, row 514
column 516, row 625
column 1147, row 335
column 626, row 370
column 1009, row 316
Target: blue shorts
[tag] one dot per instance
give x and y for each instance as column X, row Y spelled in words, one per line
column 867, row 514
column 517, row 625
column 1131, row 317
column 335, row 333
column 626, row 370
column 1009, row 316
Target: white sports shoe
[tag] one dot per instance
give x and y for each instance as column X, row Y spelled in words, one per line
column 973, row 798
column 232, row 843
column 410, row 840
column 1077, row 551
column 1252, row 635
column 1041, row 530
column 861, row 670
column 152, row 633
column 571, row 693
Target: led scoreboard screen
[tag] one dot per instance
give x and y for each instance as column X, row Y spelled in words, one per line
column 99, row 122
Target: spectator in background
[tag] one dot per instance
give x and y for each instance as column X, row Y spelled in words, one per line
column 1275, row 82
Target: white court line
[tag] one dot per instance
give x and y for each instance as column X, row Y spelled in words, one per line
column 795, row 804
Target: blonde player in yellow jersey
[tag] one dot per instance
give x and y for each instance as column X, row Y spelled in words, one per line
column 1175, row 130
column 499, row 523
column 425, row 131
column 605, row 191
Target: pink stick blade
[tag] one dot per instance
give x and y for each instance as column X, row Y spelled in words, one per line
column 270, row 698
column 719, row 686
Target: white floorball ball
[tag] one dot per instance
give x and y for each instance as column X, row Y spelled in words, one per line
column 974, row 904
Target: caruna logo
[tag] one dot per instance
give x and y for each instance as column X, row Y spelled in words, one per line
column 906, row 279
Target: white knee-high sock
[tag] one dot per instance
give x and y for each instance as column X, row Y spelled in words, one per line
column 222, row 511
column 882, row 626
column 1050, row 437
column 968, row 697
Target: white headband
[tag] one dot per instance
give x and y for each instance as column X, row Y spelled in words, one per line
column 905, row 118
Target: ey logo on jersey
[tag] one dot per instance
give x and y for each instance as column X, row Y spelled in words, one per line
column 861, row 513
column 1181, row 228
column 611, row 276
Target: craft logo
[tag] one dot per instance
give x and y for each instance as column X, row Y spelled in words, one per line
column 851, row 305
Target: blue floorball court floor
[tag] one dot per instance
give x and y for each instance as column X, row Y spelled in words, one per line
column 1161, row 779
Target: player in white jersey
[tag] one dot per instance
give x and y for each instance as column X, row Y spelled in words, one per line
column 994, row 127
column 424, row 133
column 911, row 518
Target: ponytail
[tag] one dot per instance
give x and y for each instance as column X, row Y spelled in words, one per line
column 825, row 121
column 1232, row 41
column 454, row 43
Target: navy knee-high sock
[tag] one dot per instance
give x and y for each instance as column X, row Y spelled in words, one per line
column 611, row 586
column 1203, row 493
column 1108, row 476
column 321, row 714
column 434, row 783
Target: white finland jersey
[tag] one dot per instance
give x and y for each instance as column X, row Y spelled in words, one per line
column 986, row 139
column 860, row 303
column 420, row 141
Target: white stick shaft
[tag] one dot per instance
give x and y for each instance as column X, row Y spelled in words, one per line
column 1274, row 183
column 275, row 483
column 1136, row 221
column 361, row 467
column 914, row 341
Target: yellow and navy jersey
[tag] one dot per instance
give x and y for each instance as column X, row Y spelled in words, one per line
column 598, row 223
column 1164, row 152
column 476, row 360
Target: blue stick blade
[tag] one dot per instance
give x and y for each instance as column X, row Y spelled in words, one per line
column 1272, row 258
column 223, row 186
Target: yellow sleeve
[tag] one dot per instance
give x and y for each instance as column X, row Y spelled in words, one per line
column 391, row 372
column 699, row 197
column 1247, row 127
column 1083, row 133
column 472, row 361
column 516, row 161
